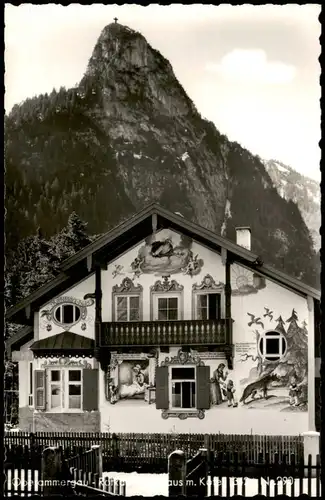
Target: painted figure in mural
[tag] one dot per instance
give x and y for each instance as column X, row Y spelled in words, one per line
column 218, row 385
column 136, row 387
column 294, row 392
column 113, row 392
column 231, row 394
column 165, row 255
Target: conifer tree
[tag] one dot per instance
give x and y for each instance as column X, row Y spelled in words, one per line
column 72, row 238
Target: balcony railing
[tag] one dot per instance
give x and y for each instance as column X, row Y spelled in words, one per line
column 155, row 333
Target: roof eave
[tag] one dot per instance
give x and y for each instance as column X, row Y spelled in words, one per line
column 235, row 250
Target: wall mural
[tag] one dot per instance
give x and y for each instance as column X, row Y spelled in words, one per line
column 118, row 270
column 223, row 388
column 245, row 282
column 47, row 315
column 166, row 255
column 278, row 381
column 130, row 377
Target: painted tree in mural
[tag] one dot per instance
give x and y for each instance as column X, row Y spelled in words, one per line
column 292, row 364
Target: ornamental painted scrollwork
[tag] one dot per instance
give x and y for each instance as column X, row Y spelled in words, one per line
column 79, row 312
column 166, row 285
column 65, row 361
column 183, row 358
column 127, row 286
column 183, row 415
column 208, row 283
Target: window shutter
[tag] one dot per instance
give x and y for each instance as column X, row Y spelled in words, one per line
column 162, row 399
column 40, row 390
column 203, row 387
column 90, row 389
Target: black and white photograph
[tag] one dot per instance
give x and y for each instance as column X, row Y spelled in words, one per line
column 162, row 250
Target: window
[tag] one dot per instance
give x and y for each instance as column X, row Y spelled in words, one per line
column 74, row 393
column 55, row 389
column 127, row 308
column 127, row 301
column 208, row 299
column 166, row 300
column 272, row 346
column 167, row 308
column 183, row 388
column 65, row 391
column 208, row 306
column 67, row 314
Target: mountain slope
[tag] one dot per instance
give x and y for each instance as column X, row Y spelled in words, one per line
column 127, row 135
column 305, row 192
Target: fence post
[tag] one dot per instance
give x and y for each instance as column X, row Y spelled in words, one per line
column 207, row 445
column 203, row 479
column 176, row 473
column 311, row 447
column 99, row 459
column 51, row 470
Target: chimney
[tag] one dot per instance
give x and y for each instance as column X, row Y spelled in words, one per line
column 243, row 237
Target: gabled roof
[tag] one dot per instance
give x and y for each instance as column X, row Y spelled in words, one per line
column 131, row 232
column 19, row 338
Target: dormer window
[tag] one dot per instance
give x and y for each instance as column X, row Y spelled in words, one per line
column 67, row 314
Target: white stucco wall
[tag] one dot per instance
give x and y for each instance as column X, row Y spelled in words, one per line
column 211, row 265
column 140, row 416
column 24, row 356
column 247, row 299
column 77, row 292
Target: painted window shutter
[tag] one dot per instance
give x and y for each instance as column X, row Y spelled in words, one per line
column 90, row 389
column 162, row 400
column 40, row 390
column 203, row 387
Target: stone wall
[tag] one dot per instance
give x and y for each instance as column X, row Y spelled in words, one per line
column 59, row 422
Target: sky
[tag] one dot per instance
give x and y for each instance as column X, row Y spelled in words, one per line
column 252, row 70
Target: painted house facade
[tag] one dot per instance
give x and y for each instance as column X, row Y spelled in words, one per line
column 160, row 326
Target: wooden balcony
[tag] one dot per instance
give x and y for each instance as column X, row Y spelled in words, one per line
column 156, row 333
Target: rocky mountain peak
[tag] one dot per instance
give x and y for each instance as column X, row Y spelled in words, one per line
column 126, row 68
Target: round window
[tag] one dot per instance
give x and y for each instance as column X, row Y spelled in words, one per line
column 272, row 346
column 67, row 314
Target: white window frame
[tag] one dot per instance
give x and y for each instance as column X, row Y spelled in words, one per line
column 170, row 391
column 267, row 336
column 64, row 390
column 167, row 296
column 68, row 383
column 128, row 296
column 61, row 306
column 206, row 292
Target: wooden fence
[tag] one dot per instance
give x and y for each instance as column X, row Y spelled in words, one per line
column 80, row 475
column 145, row 452
column 282, row 475
column 205, row 475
